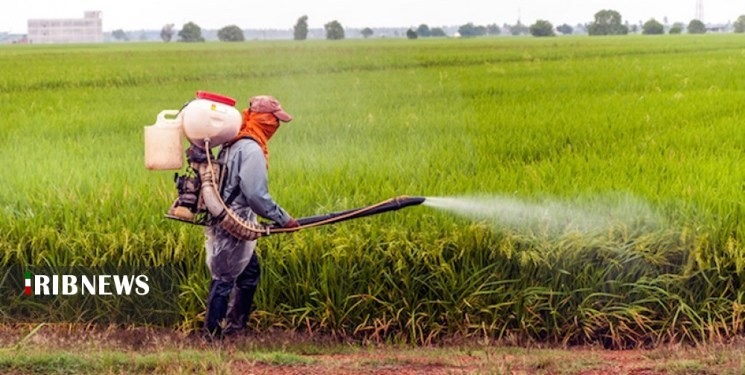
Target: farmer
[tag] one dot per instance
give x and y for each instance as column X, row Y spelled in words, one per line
column 233, row 263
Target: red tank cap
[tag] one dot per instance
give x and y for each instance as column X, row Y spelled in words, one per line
column 216, row 97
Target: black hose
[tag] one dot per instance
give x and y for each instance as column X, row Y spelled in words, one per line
column 393, row 205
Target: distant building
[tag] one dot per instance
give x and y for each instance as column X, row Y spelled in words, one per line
column 71, row 30
column 718, row 28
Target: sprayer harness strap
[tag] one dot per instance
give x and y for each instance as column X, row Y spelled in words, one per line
column 233, row 195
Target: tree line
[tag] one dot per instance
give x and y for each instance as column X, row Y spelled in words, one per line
column 610, row 22
column 606, row 22
column 191, row 32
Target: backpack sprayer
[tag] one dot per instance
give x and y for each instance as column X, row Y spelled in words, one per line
column 209, row 121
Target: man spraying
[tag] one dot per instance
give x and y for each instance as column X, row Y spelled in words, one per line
column 227, row 196
column 232, row 261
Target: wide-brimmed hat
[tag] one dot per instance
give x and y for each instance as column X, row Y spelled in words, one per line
column 268, row 104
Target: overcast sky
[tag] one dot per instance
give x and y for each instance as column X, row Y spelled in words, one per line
column 282, row 14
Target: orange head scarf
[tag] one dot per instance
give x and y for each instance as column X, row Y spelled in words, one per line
column 260, row 127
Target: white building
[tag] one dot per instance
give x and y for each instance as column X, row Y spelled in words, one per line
column 71, row 30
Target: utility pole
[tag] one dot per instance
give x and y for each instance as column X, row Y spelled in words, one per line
column 700, row 10
column 519, row 16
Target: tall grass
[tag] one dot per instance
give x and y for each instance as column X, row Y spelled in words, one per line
column 656, row 118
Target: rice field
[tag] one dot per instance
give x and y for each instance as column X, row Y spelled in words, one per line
column 572, row 119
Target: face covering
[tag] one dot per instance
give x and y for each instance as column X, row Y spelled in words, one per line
column 259, row 127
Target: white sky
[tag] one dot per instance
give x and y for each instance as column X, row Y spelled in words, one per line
column 282, row 14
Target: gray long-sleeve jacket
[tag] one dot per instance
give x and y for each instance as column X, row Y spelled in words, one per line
column 247, row 172
column 246, row 184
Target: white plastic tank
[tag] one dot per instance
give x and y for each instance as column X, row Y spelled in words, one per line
column 211, row 116
column 163, row 145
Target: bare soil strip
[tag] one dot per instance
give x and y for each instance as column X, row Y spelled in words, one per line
column 75, row 349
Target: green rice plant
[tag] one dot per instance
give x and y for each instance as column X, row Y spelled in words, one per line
column 571, row 119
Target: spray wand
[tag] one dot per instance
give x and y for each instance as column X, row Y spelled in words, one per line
column 392, row 204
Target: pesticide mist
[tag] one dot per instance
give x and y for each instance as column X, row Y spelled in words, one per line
column 554, row 219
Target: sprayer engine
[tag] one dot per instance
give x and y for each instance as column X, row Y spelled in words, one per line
column 189, row 205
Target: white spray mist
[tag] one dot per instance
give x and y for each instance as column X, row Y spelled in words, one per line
column 553, row 218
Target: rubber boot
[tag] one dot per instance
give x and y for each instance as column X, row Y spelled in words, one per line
column 245, row 288
column 217, row 306
column 241, row 309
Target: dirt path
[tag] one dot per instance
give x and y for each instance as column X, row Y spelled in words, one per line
column 582, row 361
column 68, row 349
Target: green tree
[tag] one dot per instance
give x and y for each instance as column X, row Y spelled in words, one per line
column 469, row 30
column 231, row 33
column 437, row 32
column 423, row 31
column 653, row 27
column 493, row 29
column 696, row 27
column 119, row 34
column 608, row 22
column 334, row 30
column 367, row 32
column 542, row 28
column 677, row 28
column 519, row 29
column 565, row 29
column 166, row 33
column 411, row 34
column 300, row 31
column 191, row 32
column 740, row 24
